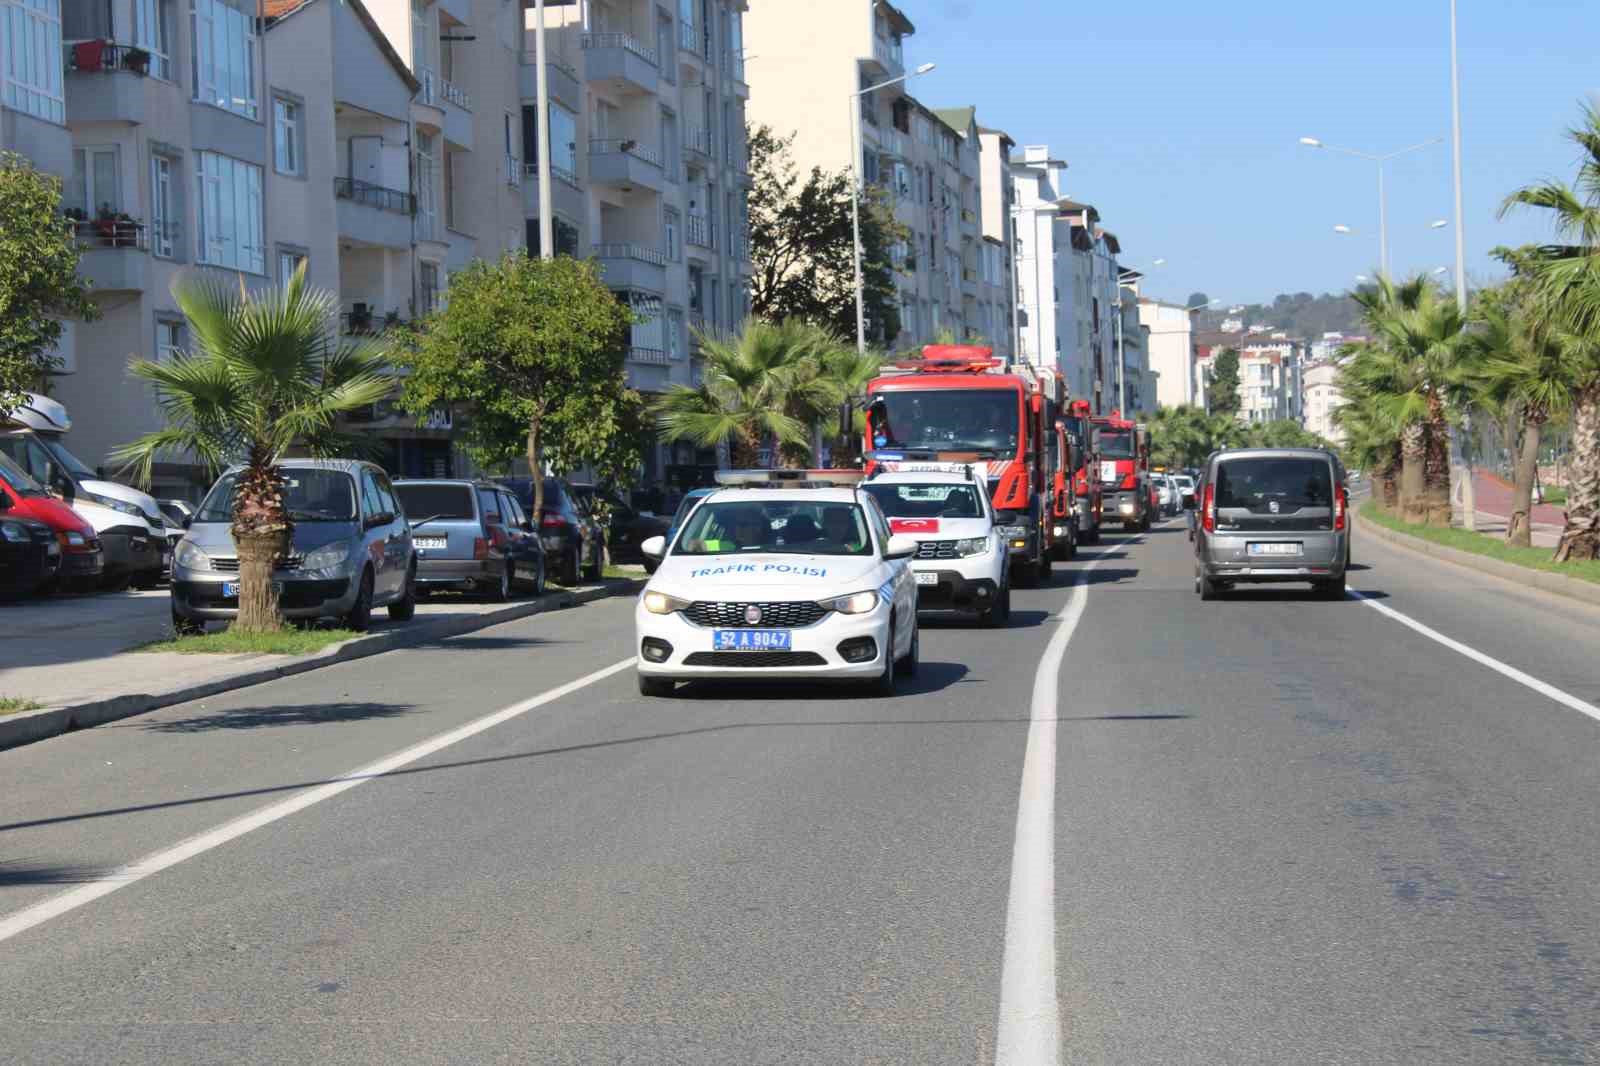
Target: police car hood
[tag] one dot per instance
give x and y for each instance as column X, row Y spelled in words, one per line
column 921, row 529
column 766, row 576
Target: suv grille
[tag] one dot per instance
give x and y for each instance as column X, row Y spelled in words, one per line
column 786, row 614
column 936, row 549
column 754, row 658
column 231, row 566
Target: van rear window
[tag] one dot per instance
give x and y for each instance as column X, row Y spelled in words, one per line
column 1252, row 484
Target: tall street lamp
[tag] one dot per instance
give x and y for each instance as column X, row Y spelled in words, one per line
column 1383, row 203
column 855, row 196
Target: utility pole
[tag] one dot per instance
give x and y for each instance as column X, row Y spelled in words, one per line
column 547, row 242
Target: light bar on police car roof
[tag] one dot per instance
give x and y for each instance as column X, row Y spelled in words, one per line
column 789, row 478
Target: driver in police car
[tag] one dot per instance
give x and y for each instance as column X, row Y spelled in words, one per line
column 839, row 527
column 749, row 528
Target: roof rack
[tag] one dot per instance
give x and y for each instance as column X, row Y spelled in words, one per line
column 789, row 479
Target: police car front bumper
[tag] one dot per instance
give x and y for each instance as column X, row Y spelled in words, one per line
column 671, row 646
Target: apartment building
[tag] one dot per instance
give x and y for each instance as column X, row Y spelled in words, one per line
column 1172, row 354
column 1271, row 365
column 1035, row 193
column 1323, row 398
column 997, row 219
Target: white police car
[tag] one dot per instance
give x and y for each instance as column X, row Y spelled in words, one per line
column 961, row 559
column 779, row 574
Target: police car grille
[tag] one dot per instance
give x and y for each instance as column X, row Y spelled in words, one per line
column 754, row 658
column 782, row 614
column 936, row 549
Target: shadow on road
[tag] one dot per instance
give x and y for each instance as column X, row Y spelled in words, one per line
column 293, row 714
column 1291, row 594
column 24, row 873
column 569, row 749
column 1019, row 620
column 485, row 643
column 1107, row 575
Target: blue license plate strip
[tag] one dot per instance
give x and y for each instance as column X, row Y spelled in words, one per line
column 750, row 639
column 230, row 590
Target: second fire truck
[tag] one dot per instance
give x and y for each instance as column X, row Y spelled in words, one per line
column 1123, row 450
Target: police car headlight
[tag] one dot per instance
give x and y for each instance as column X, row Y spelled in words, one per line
column 661, row 603
column 974, row 546
column 855, row 603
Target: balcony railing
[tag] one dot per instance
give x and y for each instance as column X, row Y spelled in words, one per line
column 430, row 86
column 118, row 232
column 384, row 199
column 455, row 94
column 700, row 232
column 698, row 139
column 656, row 356
column 625, row 41
column 513, row 171
column 627, row 146
column 164, row 237
column 689, row 37
column 368, row 322
column 733, row 63
column 97, row 57
column 630, row 251
column 888, row 52
column 531, row 170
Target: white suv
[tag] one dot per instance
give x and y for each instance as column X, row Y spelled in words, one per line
column 961, row 560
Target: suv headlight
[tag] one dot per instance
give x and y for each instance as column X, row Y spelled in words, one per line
column 855, row 603
column 116, row 505
column 15, row 532
column 661, row 603
column 190, row 557
column 972, row 546
column 326, row 557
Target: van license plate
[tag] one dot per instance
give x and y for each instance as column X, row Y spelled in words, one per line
column 1274, row 548
column 750, row 639
column 431, row 542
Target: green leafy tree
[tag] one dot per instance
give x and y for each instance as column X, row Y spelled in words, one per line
column 1566, row 280
column 1222, row 396
column 1180, row 436
column 801, row 242
column 850, row 371
column 1371, row 441
column 265, row 373
column 533, row 351
column 39, row 283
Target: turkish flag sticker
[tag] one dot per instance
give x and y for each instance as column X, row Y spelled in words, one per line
column 913, row 525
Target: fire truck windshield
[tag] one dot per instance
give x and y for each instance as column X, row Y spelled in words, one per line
column 1114, row 443
column 949, row 420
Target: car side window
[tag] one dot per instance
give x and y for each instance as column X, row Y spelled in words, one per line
column 489, row 504
column 386, row 496
column 880, row 525
column 512, row 510
column 371, row 502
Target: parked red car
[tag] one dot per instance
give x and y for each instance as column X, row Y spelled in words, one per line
column 22, row 497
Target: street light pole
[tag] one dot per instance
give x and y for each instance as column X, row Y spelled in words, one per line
column 547, row 242
column 1455, row 136
column 1383, row 206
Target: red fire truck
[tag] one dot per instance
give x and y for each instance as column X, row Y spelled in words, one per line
column 1085, row 474
column 1123, row 450
column 957, row 406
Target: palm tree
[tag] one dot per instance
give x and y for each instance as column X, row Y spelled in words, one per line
column 1566, row 282
column 1180, row 436
column 1371, row 444
column 265, row 373
column 752, row 387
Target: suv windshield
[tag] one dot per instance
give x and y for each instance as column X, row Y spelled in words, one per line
column 435, row 501
column 309, row 494
column 950, row 420
column 18, row 479
column 1255, row 484
column 1114, row 443
column 926, row 501
column 776, row 527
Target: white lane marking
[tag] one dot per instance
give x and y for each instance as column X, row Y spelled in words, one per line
column 1543, row 688
column 137, row 871
column 1030, row 1019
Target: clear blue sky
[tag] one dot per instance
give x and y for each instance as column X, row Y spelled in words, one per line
column 1180, row 122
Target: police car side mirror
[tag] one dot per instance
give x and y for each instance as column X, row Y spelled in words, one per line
column 900, row 547
column 655, row 547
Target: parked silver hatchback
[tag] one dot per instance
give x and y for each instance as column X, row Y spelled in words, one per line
column 351, row 549
column 1272, row 515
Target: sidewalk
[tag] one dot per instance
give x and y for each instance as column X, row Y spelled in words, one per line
column 1493, row 498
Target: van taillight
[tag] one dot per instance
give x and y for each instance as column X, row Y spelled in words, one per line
column 1208, row 512
column 480, row 548
column 1340, row 502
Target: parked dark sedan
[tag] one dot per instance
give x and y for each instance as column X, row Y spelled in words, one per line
column 574, row 546
column 471, row 535
column 29, row 556
column 627, row 528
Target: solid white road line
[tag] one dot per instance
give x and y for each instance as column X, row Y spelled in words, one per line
column 71, row 900
column 1030, row 1020
column 1566, row 699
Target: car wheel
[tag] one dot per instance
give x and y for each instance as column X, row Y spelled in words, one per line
column 186, row 627
column 360, row 617
column 116, row 582
column 538, row 578
column 595, row 570
column 1209, row 589
column 655, row 686
column 999, row 615
column 569, row 569
column 501, row 591
column 907, row 667
column 883, row 684
column 402, row 609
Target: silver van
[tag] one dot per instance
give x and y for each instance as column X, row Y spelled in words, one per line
column 1271, row 515
column 351, row 549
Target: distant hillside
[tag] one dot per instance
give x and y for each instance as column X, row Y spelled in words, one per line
column 1300, row 314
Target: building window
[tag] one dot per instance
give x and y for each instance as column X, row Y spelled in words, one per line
column 95, row 187
column 163, row 207
column 286, row 136
column 563, row 233
column 675, row 345
column 30, row 63
column 428, row 276
column 427, row 196
column 169, row 339
column 152, row 31
column 229, row 200
column 224, row 57
column 289, row 261
column 671, row 230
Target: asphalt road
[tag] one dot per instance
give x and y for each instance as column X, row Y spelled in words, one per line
column 1284, row 831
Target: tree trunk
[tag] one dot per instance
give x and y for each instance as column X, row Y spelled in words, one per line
column 1519, row 527
column 261, row 533
column 1436, row 465
column 745, row 451
column 1581, row 537
column 1413, row 482
column 536, row 466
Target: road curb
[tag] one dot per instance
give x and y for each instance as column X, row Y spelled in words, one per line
column 25, row 727
column 1571, row 588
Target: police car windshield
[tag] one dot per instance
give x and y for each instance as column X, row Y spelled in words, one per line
column 950, row 420
column 775, row 527
column 926, row 501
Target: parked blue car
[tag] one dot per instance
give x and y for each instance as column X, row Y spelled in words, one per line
column 472, row 536
column 691, row 500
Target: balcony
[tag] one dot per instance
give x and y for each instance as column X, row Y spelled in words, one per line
column 652, row 356
column 373, row 214
column 698, row 144
column 620, row 61
column 625, row 165
column 690, row 39
column 115, row 253
column 699, row 233
column 429, row 95
column 969, row 284
column 889, row 54
column 566, row 195
column 733, row 63
column 969, row 222
column 561, row 78
column 893, row 142
column 106, row 82
column 632, row 266
column 365, row 322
